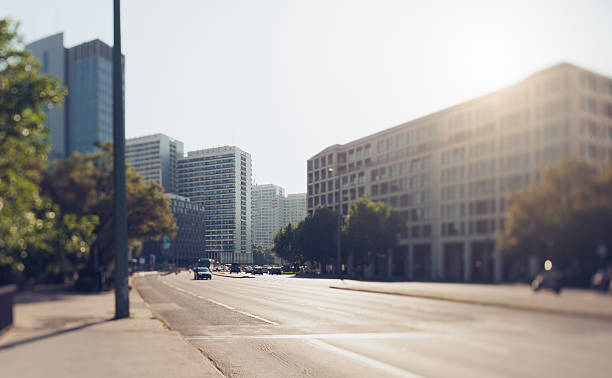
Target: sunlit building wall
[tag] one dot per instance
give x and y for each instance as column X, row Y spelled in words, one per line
column 220, row 180
column 294, row 208
column 267, row 213
column 448, row 173
column 155, row 158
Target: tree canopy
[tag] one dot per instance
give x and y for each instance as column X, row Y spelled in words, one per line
column 371, row 228
column 83, row 184
column 34, row 235
column 564, row 217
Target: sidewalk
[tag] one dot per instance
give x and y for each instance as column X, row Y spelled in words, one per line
column 570, row 302
column 64, row 334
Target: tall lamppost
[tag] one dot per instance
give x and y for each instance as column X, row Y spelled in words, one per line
column 122, row 300
column 330, row 170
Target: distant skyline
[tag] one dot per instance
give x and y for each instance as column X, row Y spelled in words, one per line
column 284, row 79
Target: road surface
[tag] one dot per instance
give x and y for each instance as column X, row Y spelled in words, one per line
column 279, row 326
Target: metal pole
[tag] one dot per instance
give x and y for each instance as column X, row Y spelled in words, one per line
column 122, row 300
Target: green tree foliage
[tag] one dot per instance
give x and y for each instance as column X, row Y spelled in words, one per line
column 34, row 236
column 263, row 256
column 285, row 244
column 83, row 185
column 316, row 236
column 371, row 228
column 564, row 217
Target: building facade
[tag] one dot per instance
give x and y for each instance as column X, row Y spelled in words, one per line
column 189, row 244
column 220, row 180
column 86, row 116
column 155, row 158
column 294, row 208
column 267, row 213
column 448, row 173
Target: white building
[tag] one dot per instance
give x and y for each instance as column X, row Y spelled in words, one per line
column 294, row 208
column 154, row 157
column 272, row 211
column 220, row 179
column 267, row 205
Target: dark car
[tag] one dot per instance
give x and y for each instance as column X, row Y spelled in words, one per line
column 202, row 273
column 235, row 268
column 275, row 270
column 258, row 270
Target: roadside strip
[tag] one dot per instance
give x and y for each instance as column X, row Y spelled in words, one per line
column 229, row 276
column 484, row 302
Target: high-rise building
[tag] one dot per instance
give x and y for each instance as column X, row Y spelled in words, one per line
column 220, row 180
column 154, row 157
column 294, row 208
column 86, row 117
column 189, row 243
column 272, row 210
column 267, row 213
column 448, row 173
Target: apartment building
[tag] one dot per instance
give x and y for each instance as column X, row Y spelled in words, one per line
column 86, row 115
column 220, row 180
column 294, row 208
column 448, row 173
column 155, row 157
column 272, row 210
column 189, row 244
column 267, row 213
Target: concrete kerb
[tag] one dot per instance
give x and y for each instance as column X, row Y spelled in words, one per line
column 507, row 305
column 230, row 276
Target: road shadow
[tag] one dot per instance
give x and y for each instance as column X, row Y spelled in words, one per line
column 52, row 334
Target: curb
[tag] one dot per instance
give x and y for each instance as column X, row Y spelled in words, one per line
column 223, row 275
column 511, row 306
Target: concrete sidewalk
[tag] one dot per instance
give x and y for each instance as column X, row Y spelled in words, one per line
column 63, row 334
column 519, row 296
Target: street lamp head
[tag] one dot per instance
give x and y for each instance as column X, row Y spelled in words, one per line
column 330, row 169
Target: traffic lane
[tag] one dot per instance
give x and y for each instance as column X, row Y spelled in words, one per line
column 541, row 342
column 472, row 353
column 395, row 312
column 238, row 356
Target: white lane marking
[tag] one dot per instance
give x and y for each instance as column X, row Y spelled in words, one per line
column 221, row 304
column 323, row 336
column 218, row 303
column 365, row 360
column 258, row 317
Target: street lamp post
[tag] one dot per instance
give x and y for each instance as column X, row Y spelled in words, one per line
column 339, row 237
column 122, row 300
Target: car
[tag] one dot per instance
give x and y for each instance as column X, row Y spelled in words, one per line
column 248, row 269
column 275, row 270
column 235, row 268
column 258, row 270
column 202, row 273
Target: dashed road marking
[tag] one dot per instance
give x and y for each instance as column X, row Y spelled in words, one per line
column 220, row 304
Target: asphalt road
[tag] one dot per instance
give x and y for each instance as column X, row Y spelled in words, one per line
column 279, row 326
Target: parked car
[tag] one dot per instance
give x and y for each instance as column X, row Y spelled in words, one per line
column 235, row 268
column 248, row 269
column 202, row 273
column 258, row 270
column 275, row 270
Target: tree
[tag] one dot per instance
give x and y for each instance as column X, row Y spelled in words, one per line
column 32, row 229
column 83, row 185
column 285, row 244
column 371, row 228
column 316, row 236
column 262, row 255
column 564, row 218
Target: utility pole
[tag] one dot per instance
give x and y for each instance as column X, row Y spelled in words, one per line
column 122, row 300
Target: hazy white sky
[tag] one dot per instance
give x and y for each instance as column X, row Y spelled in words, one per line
column 283, row 79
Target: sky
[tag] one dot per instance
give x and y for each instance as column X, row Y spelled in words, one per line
column 284, row 79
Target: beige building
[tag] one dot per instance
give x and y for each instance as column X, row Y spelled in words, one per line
column 448, row 173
